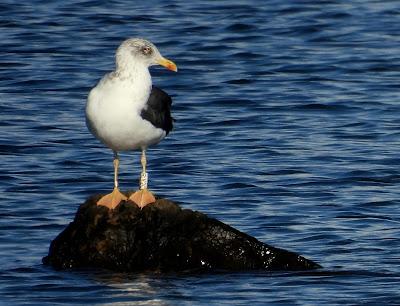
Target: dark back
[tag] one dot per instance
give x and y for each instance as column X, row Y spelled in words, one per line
column 158, row 110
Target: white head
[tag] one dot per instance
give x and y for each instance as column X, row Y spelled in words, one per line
column 137, row 51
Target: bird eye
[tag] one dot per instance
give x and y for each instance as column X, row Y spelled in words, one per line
column 146, row 50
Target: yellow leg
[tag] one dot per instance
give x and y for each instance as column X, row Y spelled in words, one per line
column 112, row 199
column 143, row 196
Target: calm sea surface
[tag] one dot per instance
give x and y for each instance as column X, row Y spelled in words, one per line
column 288, row 128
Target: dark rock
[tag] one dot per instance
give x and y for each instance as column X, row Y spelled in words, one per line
column 161, row 237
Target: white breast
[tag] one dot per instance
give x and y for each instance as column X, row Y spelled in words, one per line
column 113, row 112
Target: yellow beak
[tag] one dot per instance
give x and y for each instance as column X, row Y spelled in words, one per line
column 170, row 65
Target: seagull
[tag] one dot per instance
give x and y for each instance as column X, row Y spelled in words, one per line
column 126, row 112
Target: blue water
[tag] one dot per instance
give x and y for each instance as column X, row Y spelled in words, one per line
column 287, row 129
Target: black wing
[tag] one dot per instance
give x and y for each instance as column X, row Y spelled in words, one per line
column 158, row 110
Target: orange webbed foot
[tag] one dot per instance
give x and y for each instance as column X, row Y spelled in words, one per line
column 142, row 198
column 112, row 199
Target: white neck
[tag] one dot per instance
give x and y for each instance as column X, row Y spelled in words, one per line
column 135, row 77
column 132, row 70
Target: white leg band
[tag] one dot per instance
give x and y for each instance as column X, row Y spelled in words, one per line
column 143, row 180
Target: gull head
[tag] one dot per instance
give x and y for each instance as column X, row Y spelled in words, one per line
column 138, row 51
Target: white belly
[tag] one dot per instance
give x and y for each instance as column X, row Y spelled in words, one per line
column 122, row 133
column 113, row 116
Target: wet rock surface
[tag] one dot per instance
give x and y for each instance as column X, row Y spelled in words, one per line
column 161, row 237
